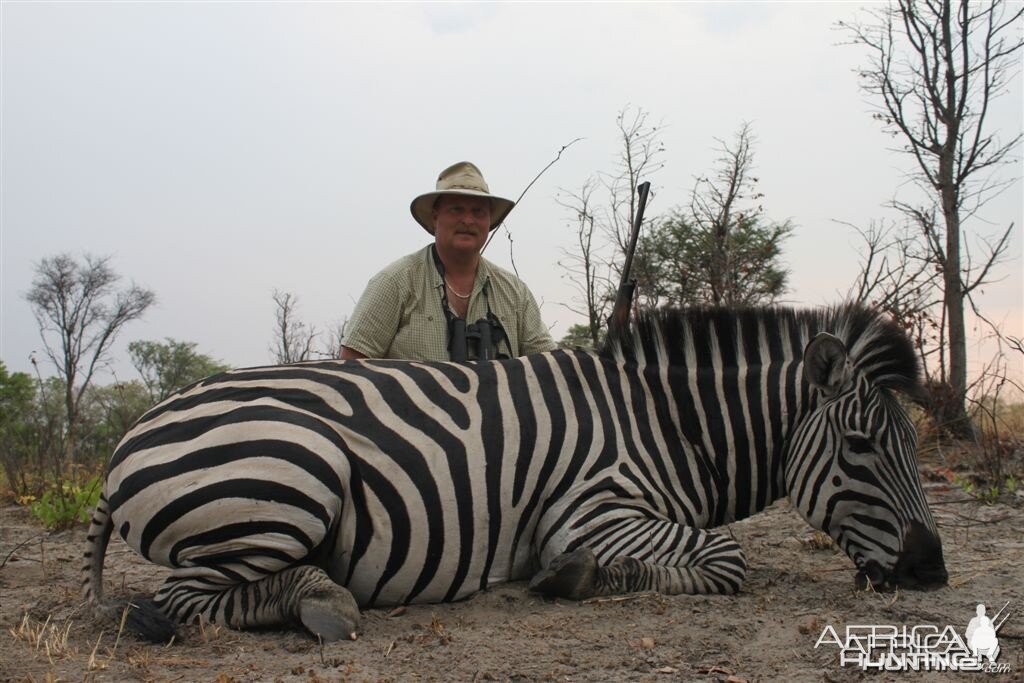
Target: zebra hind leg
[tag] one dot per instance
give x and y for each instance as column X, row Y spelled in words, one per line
column 685, row 560
column 302, row 594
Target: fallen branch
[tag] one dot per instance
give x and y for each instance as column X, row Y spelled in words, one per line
column 618, row 598
column 983, row 559
column 830, row 569
column 19, row 546
column 972, row 522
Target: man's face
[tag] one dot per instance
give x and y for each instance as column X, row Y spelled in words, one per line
column 461, row 222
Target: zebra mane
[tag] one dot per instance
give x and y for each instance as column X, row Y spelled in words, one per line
column 878, row 347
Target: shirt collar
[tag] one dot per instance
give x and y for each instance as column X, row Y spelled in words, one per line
column 483, row 271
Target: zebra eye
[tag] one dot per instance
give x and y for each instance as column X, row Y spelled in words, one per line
column 859, row 444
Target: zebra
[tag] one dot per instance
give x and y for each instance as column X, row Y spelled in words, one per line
column 298, row 494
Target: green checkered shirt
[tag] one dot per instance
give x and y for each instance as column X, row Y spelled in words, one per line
column 400, row 315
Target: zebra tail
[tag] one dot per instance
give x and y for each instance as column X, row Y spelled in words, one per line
column 138, row 615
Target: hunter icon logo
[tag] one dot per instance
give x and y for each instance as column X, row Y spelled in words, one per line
column 921, row 647
column 981, row 633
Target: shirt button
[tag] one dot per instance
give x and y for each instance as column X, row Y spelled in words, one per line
column 430, row 318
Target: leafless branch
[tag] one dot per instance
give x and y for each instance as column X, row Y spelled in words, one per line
column 293, row 340
column 528, row 186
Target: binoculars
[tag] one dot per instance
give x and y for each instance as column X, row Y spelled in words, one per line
column 480, row 338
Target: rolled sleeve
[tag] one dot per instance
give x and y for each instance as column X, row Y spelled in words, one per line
column 376, row 317
column 533, row 333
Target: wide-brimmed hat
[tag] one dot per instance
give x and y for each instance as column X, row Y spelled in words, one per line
column 461, row 178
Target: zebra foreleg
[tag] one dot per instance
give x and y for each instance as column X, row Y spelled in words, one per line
column 303, row 594
column 684, row 560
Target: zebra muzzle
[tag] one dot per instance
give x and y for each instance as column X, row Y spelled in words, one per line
column 871, row 574
column 920, row 565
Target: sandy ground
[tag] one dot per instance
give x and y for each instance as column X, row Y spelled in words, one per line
column 795, row 588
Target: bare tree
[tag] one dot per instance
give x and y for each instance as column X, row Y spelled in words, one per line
column 936, row 66
column 585, row 266
column 640, row 154
column 713, row 208
column 720, row 249
column 80, row 311
column 897, row 276
column 293, row 339
column 335, row 339
column 602, row 229
column 725, row 207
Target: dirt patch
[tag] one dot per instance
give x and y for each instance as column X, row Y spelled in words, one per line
column 796, row 586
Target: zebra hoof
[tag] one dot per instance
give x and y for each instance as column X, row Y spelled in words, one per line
column 330, row 615
column 570, row 575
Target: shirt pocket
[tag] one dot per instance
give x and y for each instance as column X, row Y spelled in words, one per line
column 422, row 337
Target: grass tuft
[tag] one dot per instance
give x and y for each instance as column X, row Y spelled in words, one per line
column 45, row 637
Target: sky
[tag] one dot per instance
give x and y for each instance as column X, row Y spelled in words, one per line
column 219, row 151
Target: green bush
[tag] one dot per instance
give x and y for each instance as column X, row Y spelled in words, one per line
column 62, row 506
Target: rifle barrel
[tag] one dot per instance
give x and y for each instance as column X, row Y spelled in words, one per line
column 642, row 189
column 995, row 627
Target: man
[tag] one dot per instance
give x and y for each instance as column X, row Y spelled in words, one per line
column 981, row 636
column 445, row 301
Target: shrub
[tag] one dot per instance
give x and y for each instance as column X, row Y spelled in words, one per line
column 63, row 505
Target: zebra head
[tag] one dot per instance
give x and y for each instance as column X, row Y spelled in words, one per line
column 851, row 466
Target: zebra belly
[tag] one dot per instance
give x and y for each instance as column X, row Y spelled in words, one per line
column 365, row 578
column 398, row 569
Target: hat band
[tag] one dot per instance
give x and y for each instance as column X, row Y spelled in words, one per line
column 474, row 188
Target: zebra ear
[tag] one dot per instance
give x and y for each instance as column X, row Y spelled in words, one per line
column 825, row 365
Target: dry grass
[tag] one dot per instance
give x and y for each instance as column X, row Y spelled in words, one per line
column 54, row 640
column 439, row 631
column 989, row 468
column 95, row 663
column 1011, row 418
column 45, row 637
column 817, row 540
column 208, row 632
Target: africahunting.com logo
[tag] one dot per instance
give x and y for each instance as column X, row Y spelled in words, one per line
column 922, row 648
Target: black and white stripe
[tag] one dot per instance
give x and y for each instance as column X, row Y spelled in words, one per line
column 417, row 482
